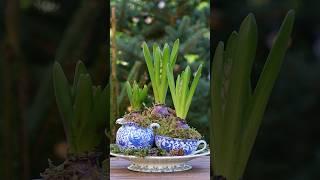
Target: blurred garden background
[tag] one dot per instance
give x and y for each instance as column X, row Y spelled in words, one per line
column 287, row 146
column 34, row 34
column 161, row 21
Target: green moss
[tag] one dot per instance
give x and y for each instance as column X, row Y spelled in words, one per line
column 139, row 152
column 114, row 148
column 137, row 118
column 146, row 117
column 134, row 152
column 150, row 152
column 171, row 128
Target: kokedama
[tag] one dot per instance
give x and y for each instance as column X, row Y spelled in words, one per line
column 83, row 111
column 236, row 110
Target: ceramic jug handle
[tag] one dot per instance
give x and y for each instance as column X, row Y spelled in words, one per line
column 154, row 125
column 202, row 149
column 120, row 121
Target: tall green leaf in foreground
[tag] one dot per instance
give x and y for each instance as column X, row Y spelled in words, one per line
column 83, row 108
column 237, row 112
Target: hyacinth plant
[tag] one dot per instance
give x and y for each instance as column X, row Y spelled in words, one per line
column 157, row 66
column 83, row 111
column 237, row 112
column 136, row 95
column 180, row 91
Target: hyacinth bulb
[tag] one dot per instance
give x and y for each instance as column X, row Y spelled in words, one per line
column 182, row 124
column 161, row 111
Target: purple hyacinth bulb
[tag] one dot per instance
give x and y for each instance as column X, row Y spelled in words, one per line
column 160, row 111
column 182, row 124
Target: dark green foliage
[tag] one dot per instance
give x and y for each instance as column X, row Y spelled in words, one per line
column 33, row 36
column 236, row 111
column 64, row 100
column 286, row 147
column 82, row 108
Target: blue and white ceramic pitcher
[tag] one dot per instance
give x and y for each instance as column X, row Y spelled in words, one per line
column 131, row 135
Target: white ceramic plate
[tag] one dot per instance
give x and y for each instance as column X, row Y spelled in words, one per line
column 160, row 163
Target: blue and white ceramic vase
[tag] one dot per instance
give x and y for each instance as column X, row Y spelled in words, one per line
column 130, row 135
column 189, row 146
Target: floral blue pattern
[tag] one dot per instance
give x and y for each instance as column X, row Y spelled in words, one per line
column 189, row 146
column 131, row 135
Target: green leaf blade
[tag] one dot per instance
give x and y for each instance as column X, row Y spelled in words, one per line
column 157, row 59
column 150, row 67
column 174, row 53
column 217, row 111
column 184, row 89
column 245, row 52
column 171, row 85
column 80, row 69
column 164, row 81
column 82, row 109
column 192, row 90
column 63, row 99
column 264, row 86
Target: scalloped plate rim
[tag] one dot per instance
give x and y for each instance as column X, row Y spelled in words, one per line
column 161, row 157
